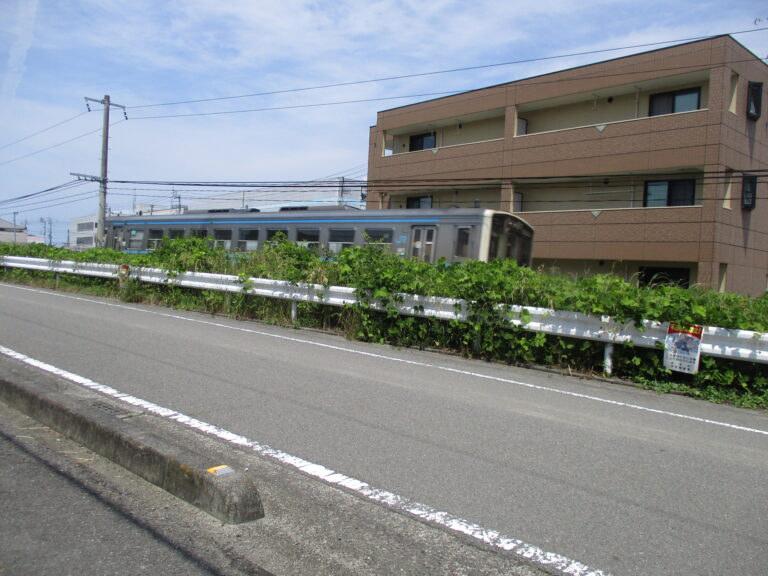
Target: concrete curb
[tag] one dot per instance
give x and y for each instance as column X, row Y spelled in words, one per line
column 113, row 431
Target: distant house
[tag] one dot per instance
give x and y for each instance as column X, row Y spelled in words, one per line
column 12, row 233
column 651, row 166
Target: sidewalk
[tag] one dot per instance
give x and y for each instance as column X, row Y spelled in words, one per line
column 51, row 524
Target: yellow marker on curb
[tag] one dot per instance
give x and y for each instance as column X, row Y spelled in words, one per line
column 220, row 470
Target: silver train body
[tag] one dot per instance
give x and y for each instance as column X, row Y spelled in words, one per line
column 428, row 234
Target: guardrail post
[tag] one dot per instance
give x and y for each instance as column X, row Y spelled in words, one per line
column 608, row 359
column 294, row 312
column 122, row 275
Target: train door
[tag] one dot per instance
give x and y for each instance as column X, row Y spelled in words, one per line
column 117, row 238
column 423, row 242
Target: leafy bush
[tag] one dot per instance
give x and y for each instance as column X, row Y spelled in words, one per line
column 379, row 275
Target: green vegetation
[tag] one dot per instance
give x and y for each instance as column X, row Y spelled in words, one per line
column 377, row 274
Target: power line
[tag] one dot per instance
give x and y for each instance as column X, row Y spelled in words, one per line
column 535, row 81
column 69, row 200
column 66, row 185
column 57, row 145
column 294, row 106
column 43, row 130
column 47, row 203
column 572, row 179
column 448, row 71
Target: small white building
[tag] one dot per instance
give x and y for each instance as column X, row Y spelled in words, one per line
column 82, row 233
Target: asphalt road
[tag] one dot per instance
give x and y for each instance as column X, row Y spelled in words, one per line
column 623, row 480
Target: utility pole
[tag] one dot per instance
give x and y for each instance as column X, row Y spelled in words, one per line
column 101, row 235
column 14, row 227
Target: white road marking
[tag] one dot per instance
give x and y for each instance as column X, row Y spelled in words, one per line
column 411, row 362
column 423, row 512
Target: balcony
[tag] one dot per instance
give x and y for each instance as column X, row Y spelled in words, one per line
column 447, row 132
column 603, row 106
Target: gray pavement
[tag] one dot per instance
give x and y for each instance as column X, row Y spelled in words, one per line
column 53, row 521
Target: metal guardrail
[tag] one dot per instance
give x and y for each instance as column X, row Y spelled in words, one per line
column 720, row 342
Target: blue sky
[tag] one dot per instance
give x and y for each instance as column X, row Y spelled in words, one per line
column 154, row 57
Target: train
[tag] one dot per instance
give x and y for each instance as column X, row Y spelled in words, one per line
column 453, row 234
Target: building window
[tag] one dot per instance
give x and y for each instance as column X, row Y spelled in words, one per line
column 754, row 100
column 421, row 141
column 674, row 102
column 419, row 202
column 669, row 193
column 86, row 226
column 175, row 234
column 748, row 191
column 522, row 126
column 85, row 240
column 199, row 233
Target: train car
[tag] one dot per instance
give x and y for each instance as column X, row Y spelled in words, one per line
column 428, row 234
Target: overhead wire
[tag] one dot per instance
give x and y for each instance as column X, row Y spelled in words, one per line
column 58, row 144
column 51, row 190
column 44, row 130
column 448, row 71
column 52, row 204
column 292, row 106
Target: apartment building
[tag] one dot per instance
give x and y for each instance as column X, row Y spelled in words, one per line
column 651, row 166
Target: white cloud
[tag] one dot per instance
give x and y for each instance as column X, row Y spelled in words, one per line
column 23, row 28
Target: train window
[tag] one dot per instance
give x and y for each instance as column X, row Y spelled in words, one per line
column 136, row 240
column 272, row 232
column 340, row 238
column 173, row 234
column 309, row 237
column 249, row 240
column 378, row 236
column 199, row 233
column 222, row 238
column 462, row 242
column 154, row 238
